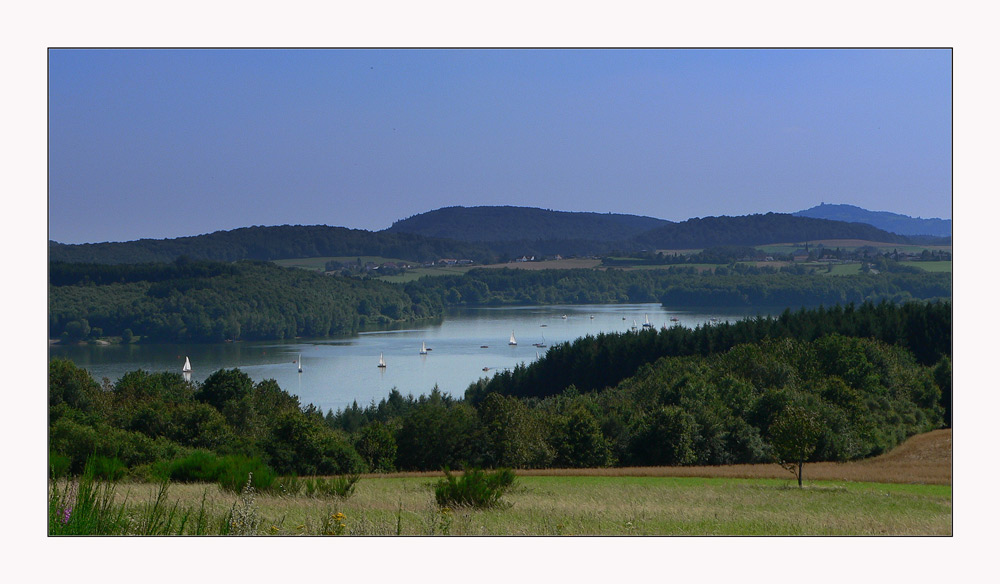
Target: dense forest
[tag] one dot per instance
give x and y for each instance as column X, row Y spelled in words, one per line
column 592, row 363
column 211, row 302
column 739, row 285
column 715, row 403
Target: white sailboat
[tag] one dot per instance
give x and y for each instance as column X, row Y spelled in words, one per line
column 647, row 324
column 635, row 325
column 187, row 366
column 423, row 348
column 513, row 341
column 381, row 361
column 300, row 362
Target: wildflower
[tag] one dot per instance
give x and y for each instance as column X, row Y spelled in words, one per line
column 66, row 514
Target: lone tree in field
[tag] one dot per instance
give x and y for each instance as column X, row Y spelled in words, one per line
column 794, row 437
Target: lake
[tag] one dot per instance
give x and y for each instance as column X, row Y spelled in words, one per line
column 338, row 371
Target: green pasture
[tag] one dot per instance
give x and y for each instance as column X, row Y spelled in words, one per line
column 589, row 505
column 942, row 266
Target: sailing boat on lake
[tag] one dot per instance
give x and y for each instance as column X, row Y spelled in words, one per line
column 647, row 324
column 187, row 366
column 300, row 362
column 423, row 348
column 381, row 361
column 513, row 341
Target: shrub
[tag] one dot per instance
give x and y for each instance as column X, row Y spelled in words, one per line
column 339, row 486
column 235, row 469
column 197, row 467
column 475, row 488
column 58, row 465
column 106, row 468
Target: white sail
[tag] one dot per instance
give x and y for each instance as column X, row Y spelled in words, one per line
column 300, row 362
column 647, row 324
column 423, row 348
column 512, row 341
column 187, row 365
column 381, row 360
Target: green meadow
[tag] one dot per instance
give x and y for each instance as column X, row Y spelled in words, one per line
column 559, row 505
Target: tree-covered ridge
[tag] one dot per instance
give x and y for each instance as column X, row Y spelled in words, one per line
column 507, row 223
column 270, row 243
column 493, row 234
column 892, row 222
column 208, row 301
column 596, row 362
column 755, row 230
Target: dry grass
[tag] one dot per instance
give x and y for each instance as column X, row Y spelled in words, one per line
column 838, row 499
column 923, row 459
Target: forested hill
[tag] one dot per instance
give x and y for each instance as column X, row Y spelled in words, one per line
column 892, row 222
column 519, row 232
column 756, row 230
column 270, row 243
column 508, row 223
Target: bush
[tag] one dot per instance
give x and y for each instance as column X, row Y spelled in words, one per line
column 106, row 468
column 475, row 488
column 197, row 467
column 235, row 469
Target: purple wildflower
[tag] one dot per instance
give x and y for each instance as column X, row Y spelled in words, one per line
column 66, row 513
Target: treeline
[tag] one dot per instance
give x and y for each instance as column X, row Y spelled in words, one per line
column 210, row 302
column 594, row 363
column 738, row 285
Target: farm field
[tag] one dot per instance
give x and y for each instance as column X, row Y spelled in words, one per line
column 904, row 492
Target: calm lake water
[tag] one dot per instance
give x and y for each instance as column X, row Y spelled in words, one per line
column 336, row 372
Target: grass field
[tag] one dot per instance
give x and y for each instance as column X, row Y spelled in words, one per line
column 905, row 492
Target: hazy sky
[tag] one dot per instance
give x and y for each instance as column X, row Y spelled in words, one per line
column 167, row 143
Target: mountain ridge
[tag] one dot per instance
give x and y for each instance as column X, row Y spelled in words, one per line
column 524, row 231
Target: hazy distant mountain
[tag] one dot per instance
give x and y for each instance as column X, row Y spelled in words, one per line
column 891, row 222
column 756, row 230
column 524, row 224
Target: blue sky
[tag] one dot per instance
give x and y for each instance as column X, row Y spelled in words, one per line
column 168, row 143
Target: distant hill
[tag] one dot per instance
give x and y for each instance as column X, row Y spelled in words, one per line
column 270, row 243
column 756, row 230
column 519, row 231
column 891, row 222
column 495, row 224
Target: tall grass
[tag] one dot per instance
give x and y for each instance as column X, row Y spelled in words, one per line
column 88, row 505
